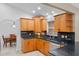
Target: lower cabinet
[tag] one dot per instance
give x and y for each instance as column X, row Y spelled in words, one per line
column 41, row 45
column 27, row 45
column 34, row 45
column 46, row 47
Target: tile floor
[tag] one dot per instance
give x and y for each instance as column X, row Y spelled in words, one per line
column 11, row 51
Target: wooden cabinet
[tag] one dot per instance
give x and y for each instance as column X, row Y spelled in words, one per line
column 23, row 24
column 26, row 24
column 31, row 25
column 37, row 26
column 56, row 23
column 39, row 45
column 31, row 45
column 27, row 45
column 39, row 23
column 63, row 23
column 43, row 24
column 35, row 44
column 43, row 46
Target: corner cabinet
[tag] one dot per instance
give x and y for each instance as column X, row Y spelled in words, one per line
column 29, row 45
column 42, row 46
column 63, row 22
column 39, row 24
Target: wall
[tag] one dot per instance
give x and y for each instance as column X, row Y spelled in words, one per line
column 7, row 14
column 74, row 10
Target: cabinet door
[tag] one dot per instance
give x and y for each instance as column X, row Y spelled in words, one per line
column 65, row 22
column 30, row 25
column 46, row 48
column 56, row 23
column 39, row 45
column 34, row 43
column 43, row 25
column 23, row 24
column 42, row 46
column 62, row 23
column 31, row 45
column 37, row 23
column 68, row 16
column 69, row 29
column 25, row 45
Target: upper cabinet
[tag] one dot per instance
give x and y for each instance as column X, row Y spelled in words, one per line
column 37, row 24
column 31, row 25
column 23, row 24
column 43, row 24
column 56, row 23
column 63, row 22
column 26, row 24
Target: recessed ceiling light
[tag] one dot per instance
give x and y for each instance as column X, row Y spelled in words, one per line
column 33, row 11
column 52, row 12
column 47, row 14
column 39, row 8
column 14, row 26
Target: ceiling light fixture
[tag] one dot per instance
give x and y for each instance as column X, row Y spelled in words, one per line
column 33, row 11
column 39, row 8
column 47, row 14
column 52, row 12
column 13, row 25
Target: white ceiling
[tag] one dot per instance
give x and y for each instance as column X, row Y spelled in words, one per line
column 76, row 4
column 29, row 7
